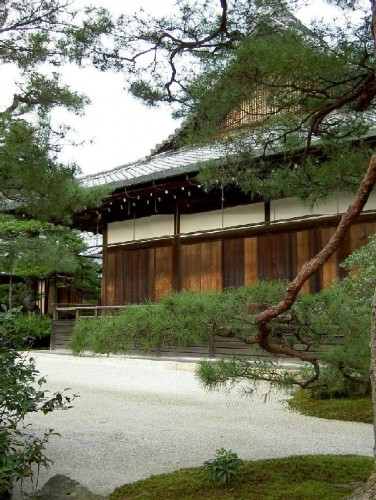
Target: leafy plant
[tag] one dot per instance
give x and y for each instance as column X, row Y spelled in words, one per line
column 22, row 330
column 21, row 393
column 11, row 337
column 178, row 319
column 224, row 468
column 33, row 326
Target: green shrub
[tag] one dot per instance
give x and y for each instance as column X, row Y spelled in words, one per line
column 21, row 393
column 224, row 468
column 10, row 335
column 33, row 327
column 133, row 327
column 335, row 318
column 22, row 330
column 178, row 319
column 356, row 409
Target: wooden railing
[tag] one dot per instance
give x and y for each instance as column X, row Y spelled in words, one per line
column 74, row 311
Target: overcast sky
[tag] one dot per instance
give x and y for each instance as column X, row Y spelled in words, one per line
column 122, row 129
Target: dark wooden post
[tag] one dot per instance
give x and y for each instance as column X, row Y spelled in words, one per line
column 55, row 314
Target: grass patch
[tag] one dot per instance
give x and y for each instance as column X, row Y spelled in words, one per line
column 354, row 410
column 328, row 477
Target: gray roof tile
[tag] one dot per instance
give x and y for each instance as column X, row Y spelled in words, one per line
column 173, row 163
column 155, row 167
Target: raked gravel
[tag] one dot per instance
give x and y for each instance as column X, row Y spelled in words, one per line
column 138, row 417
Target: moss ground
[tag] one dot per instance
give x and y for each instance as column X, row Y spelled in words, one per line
column 295, row 478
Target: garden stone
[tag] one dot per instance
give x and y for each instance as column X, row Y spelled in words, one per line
column 59, row 487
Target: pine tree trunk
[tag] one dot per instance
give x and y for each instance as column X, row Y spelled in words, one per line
column 368, row 491
column 30, row 297
column 373, row 367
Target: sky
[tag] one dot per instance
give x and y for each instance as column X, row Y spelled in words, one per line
column 116, row 128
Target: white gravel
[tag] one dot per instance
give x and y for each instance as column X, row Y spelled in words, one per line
column 137, row 417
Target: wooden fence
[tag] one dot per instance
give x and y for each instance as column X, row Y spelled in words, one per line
column 65, row 315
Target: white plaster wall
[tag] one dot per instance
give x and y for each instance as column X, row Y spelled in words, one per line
column 148, row 227
column 244, row 214
column 201, row 221
column 154, row 226
column 234, row 216
column 371, row 203
column 289, row 208
column 117, row 232
column 163, row 225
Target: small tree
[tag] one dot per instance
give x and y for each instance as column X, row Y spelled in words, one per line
column 33, row 249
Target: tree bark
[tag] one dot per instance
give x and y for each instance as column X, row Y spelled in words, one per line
column 30, row 297
column 368, row 491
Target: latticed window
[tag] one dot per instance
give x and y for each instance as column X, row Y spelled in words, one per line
column 256, row 109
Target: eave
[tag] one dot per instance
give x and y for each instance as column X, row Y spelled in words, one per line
column 167, row 182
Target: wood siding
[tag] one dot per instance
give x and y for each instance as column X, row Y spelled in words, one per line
column 132, row 274
column 200, row 266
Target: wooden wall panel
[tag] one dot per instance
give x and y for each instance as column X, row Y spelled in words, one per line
column 205, row 267
column 67, row 296
column 151, row 274
column 314, row 246
column 330, row 268
column 190, row 266
column 233, row 262
column 359, row 236
column 302, row 254
column 264, row 257
column 104, row 267
column 136, row 275
column 185, row 263
column 277, row 256
column 343, row 251
column 162, row 271
column 110, row 283
column 119, row 276
column 133, row 274
column 285, row 255
column 211, row 265
column 201, row 266
column 141, row 278
column 370, row 229
column 273, row 262
column 128, row 276
column 250, row 260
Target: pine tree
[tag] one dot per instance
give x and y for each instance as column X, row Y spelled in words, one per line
column 314, row 92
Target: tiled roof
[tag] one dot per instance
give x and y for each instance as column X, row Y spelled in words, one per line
column 185, row 160
column 155, row 167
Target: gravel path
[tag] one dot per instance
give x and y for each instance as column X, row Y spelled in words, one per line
column 135, row 418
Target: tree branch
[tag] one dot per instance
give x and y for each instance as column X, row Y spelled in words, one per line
column 362, row 94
